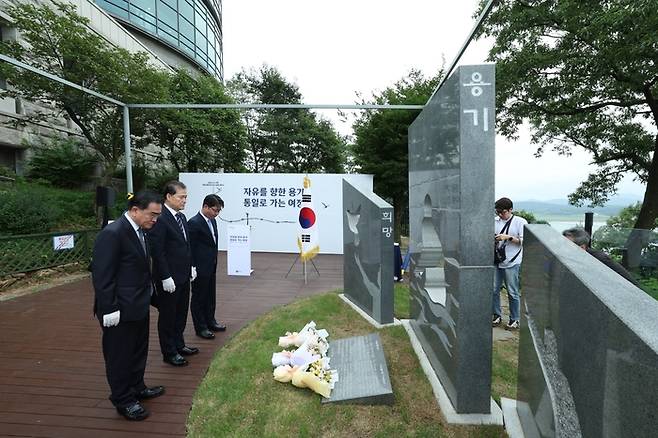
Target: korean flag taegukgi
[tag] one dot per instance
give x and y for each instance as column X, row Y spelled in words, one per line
column 308, row 241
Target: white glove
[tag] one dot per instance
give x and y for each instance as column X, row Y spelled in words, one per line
column 193, row 273
column 169, row 285
column 111, row 319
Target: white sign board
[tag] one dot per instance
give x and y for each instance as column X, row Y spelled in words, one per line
column 271, row 202
column 63, row 242
column 238, row 259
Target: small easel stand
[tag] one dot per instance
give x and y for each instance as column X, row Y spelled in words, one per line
column 303, row 268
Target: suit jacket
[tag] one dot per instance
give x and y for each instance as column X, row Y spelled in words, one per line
column 169, row 249
column 204, row 247
column 120, row 273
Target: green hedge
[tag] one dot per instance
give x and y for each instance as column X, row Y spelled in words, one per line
column 29, row 208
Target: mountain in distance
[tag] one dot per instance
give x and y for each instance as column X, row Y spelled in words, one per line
column 561, row 207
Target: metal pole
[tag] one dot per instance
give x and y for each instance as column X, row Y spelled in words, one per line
column 589, row 222
column 245, row 106
column 305, row 280
column 52, row 77
column 478, row 23
column 126, row 145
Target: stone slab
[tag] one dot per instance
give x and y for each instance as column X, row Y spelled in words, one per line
column 362, row 371
column 365, row 315
column 511, row 418
column 368, row 252
column 451, row 197
column 495, row 415
column 588, row 346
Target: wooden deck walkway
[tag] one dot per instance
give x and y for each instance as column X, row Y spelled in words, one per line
column 52, row 376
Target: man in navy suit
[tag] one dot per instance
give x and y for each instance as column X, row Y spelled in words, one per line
column 203, row 240
column 172, row 271
column 122, row 284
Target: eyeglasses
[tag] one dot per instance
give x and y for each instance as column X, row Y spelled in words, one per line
column 499, row 211
column 216, row 209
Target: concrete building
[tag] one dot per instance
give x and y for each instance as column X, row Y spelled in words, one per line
column 175, row 33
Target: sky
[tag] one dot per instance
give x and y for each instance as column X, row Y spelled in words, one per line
column 334, row 50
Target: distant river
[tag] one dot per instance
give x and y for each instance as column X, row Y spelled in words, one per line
column 563, row 225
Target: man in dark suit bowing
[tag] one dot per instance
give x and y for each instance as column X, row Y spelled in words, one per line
column 203, row 240
column 122, row 284
column 172, row 270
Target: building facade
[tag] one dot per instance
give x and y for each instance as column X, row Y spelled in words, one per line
column 174, row 33
column 175, row 29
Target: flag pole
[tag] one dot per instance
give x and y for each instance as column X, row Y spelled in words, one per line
column 305, row 280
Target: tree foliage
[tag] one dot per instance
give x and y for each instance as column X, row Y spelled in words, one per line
column 199, row 140
column 529, row 216
column 63, row 163
column 627, row 217
column 381, row 140
column 58, row 41
column 583, row 74
column 284, row 140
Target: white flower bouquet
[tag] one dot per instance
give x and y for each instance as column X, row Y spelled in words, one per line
column 308, row 366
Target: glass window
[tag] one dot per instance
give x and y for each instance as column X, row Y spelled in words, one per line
column 186, row 29
column 171, row 3
column 167, row 36
column 144, row 24
column 144, row 5
column 167, row 15
column 201, row 42
column 167, row 29
column 116, row 7
column 186, row 10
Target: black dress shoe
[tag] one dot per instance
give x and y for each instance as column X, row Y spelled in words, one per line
column 153, row 392
column 217, row 327
column 188, row 351
column 176, row 360
column 205, row 334
column 133, row 412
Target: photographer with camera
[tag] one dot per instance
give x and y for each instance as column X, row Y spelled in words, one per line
column 508, row 253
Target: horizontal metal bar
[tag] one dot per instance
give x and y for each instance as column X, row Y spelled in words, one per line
column 52, row 77
column 480, row 20
column 271, row 106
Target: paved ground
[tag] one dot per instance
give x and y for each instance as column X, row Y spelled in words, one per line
column 52, row 378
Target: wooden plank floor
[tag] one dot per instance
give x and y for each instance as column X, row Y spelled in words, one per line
column 52, row 376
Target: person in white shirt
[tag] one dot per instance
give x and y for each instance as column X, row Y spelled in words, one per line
column 509, row 241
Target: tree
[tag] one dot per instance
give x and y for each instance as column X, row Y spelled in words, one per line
column 63, row 163
column 529, row 216
column 381, row 140
column 583, row 74
column 199, row 140
column 284, row 140
column 58, row 41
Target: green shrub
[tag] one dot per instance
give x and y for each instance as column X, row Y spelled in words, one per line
column 63, row 163
column 29, row 208
column 25, row 212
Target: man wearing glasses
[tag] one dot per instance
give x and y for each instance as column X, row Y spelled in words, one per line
column 508, row 236
column 203, row 241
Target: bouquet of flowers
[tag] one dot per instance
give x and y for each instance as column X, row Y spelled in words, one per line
column 307, row 366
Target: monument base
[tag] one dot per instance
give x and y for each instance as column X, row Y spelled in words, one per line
column 495, row 417
column 511, row 417
column 367, row 317
column 362, row 371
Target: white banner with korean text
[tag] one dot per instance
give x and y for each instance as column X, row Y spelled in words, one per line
column 270, row 203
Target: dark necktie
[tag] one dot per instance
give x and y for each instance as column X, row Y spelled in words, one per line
column 179, row 219
column 142, row 240
column 212, row 230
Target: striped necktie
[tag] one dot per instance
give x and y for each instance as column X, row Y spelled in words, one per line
column 179, row 219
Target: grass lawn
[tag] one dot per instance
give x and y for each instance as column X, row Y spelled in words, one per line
column 239, row 397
